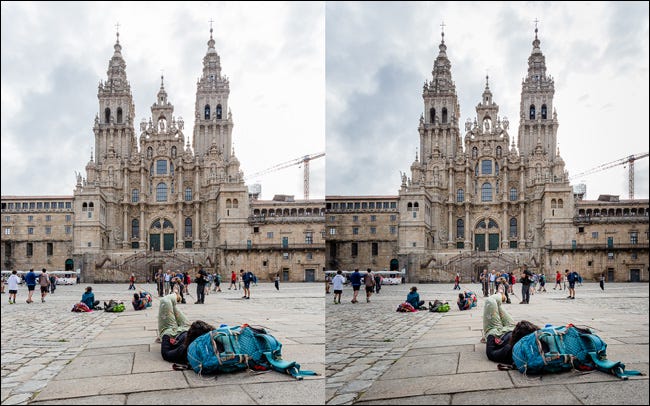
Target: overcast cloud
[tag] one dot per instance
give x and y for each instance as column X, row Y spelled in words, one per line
column 55, row 54
column 380, row 54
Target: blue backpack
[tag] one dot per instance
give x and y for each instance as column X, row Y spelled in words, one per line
column 230, row 349
column 557, row 349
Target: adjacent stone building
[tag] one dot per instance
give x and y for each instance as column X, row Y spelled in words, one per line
column 492, row 200
column 154, row 201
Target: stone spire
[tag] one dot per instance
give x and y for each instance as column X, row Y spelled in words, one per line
column 441, row 72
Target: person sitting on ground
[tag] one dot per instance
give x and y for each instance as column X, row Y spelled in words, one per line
column 464, row 302
column 140, row 301
column 175, row 331
column 89, row 299
column 500, row 331
column 413, row 298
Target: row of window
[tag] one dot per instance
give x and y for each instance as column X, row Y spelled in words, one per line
column 432, row 115
column 218, row 112
column 354, row 249
column 373, row 218
column 161, row 193
column 37, row 206
column 288, row 212
column 361, row 205
column 532, row 112
column 30, row 218
column 107, row 115
column 499, row 154
column 491, row 224
column 373, row 230
column 30, row 230
column 29, row 249
column 614, row 212
column 486, row 194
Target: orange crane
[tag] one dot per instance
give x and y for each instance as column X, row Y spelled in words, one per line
column 629, row 161
column 304, row 160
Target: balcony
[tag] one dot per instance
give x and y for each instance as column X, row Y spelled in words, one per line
column 597, row 247
column 271, row 247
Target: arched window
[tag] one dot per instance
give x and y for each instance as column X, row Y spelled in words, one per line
column 161, row 192
column 513, row 194
column 481, row 224
column 218, row 111
column 173, row 152
column 432, row 115
column 486, row 192
column 188, row 227
column 560, row 203
column 553, row 204
column 235, row 203
column 135, row 228
column 460, row 228
column 135, row 196
column 91, row 206
column 167, row 224
column 416, row 206
column 409, row 206
column 499, row 152
column 119, row 114
column 474, row 153
column 543, row 111
column 532, row 112
column 496, row 170
column 492, row 224
column 460, row 195
column 188, row 194
column 228, row 204
column 513, row 227
column 444, row 115
column 84, row 207
column 206, row 113
column 107, row 115
column 156, row 224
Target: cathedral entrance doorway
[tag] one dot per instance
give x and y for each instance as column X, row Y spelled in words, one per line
column 161, row 235
column 486, row 229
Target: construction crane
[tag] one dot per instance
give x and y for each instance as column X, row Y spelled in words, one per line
column 629, row 161
column 304, row 160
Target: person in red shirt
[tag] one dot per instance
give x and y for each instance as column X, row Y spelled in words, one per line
column 558, row 280
column 233, row 280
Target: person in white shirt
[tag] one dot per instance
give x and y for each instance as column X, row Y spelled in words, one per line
column 337, row 284
column 13, row 286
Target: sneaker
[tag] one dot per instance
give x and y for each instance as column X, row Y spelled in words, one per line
column 197, row 302
column 42, row 300
column 568, row 297
column 243, row 297
column 248, row 297
column 522, row 302
column 573, row 297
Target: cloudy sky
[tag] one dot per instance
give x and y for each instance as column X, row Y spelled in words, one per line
column 55, row 54
column 379, row 55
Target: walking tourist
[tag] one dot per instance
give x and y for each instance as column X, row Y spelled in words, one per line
column 30, row 281
column 337, row 285
column 12, row 284
column 44, row 281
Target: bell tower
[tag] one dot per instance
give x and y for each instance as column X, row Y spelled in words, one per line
column 212, row 120
column 538, row 120
column 113, row 127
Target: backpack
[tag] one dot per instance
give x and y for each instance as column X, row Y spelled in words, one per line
column 231, row 349
column 438, row 306
column 114, row 307
column 557, row 349
column 405, row 307
column 80, row 307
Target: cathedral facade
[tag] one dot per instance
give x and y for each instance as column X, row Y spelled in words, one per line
column 151, row 201
column 484, row 198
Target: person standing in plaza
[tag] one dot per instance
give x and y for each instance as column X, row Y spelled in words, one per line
column 337, row 284
column 233, row 280
column 558, row 280
column 12, row 284
column 30, row 281
column 53, row 279
column 369, row 281
column 355, row 281
column 493, row 279
column 247, row 278
column 132, row 282
column 44, row 281
column 457, row 281
column 167, row 281
column 328, row 280
column 160, row 282
column 601, row 282
column 485, row 282
column 378, row 279
column 276, row 281
column 525, row 286
column 572, row 278
column 217, row 282
column 200, row 285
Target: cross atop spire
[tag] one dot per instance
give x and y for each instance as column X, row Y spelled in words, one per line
column 442, row 26
column 536, row 21
column 211, row 21
column 117, row 32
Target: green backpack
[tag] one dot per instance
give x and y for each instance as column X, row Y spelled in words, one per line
column 114, row 307
column 438, row 306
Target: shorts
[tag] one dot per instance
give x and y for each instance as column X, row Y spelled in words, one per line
column 13, row 292
column 45, row 289
column 370, row 289
column 572, row 285
column 247, row 285
column 338, row 292
column 31, row 287
column 356, row 287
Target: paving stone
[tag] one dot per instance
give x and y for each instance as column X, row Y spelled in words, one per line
column 90, row 400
